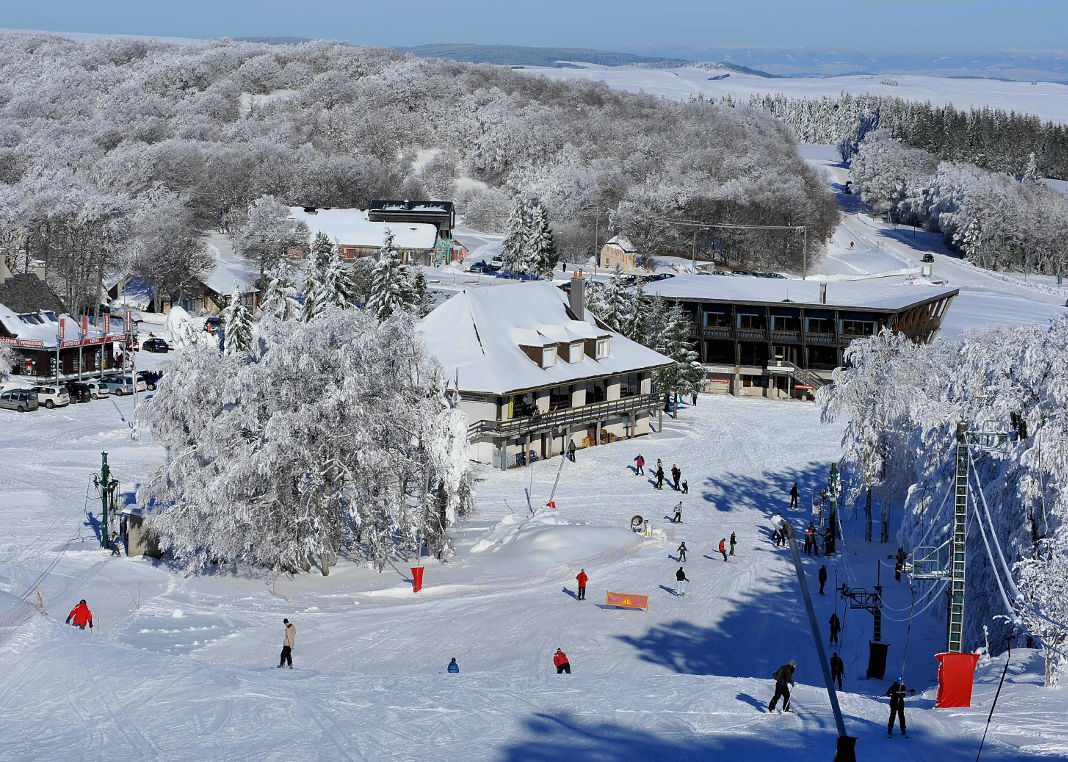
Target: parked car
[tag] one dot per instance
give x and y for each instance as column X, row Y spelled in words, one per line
column 150, row 377
column 79, row 392
column 97, row 389
column 156, row 344
column 927, row 258
column 480, row 267
column 120, row 385
column 18, row 399
column 52, row 396
column 213, row 323
column 496, row 263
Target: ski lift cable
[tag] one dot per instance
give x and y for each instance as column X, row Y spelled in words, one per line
column 908, row 631
column 993, row 565
column 934, row 522
column 990, row 522
column 931, row 602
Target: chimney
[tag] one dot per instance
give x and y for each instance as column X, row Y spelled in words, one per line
column 577, row 298
column 823, row 293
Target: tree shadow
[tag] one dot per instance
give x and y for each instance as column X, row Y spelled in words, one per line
column 768, row 492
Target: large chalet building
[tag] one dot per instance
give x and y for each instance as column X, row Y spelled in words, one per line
column 534, row 371
column 776, row 337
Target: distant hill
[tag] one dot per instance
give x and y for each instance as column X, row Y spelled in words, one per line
column 519, row 55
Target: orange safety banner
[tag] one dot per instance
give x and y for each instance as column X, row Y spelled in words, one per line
column 417, row 578
column 955, row 675
column 627, row 600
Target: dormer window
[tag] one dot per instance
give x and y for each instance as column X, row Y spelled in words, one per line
column 548, row 357
column 576, row 352
column 603, row 346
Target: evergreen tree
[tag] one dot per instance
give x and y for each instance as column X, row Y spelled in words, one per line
column 612, row 303
column 513, row 251
column 541, row 254
column 1030, row 174
column 238, row 326
column 317, row 285
column 685, row 375
column 280, row 301
column 336, row 288
column 390, row 287
column 416, row 294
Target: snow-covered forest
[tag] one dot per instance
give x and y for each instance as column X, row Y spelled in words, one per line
column 332, row 437
column 995, row 220
column 903, row 402
column 991, row 138
column 116, row 154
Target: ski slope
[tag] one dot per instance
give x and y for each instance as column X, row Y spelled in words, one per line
column 182, row 667
column 1044, row 99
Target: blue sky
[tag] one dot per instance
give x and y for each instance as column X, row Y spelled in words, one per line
column 632, row 25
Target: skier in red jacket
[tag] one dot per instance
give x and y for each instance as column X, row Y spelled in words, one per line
column 81, row 616
column 581, row 578
column 561, row 663
column 723, row 547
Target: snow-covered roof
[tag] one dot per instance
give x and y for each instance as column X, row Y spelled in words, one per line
column 868, row 294
column 231, row 271
column 44, row 327
column 350, row 227
column 622, row 242
column 477, row 336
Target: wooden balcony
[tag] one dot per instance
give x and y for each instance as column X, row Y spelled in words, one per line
column 560, row 419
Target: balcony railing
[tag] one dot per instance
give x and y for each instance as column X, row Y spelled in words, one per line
column 585, row 414
column 827, row 339
column 786, row 337
column 752, row 334
column 719, row 332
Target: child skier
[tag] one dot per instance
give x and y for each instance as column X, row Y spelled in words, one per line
column 659, row 474
column 80, row 616
column 682, row 553
column 723, row 548
column 454, row 668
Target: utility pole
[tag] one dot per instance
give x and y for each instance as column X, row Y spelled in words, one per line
column 845, row 751
column 107, row 487
column 804, row 252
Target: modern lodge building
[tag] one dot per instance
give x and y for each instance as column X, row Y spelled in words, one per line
column 776, row 337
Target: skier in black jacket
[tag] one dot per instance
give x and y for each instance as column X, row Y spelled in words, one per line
column 837, row 669
column 836, row 627
column 784, row 678
column 823, row 577
column 897, row 692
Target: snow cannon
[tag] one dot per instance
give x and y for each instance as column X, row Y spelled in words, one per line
column 637, row 523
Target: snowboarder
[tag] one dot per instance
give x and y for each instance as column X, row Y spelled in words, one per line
column 897, row 693
column 793, row 496
column 837, row 669
column 571, row 450
column 639, row 465
column 685, row 487
column 581, row 578
column 680, row 582
column 676, row 474
column 682, row 553
column 734, row 541
column 784, row 678
column 836, row 627
column 454, row 668
column 80, row 616
column 677, row 518
column 561, row 663
column 288, row 642
column 659, row 474
column 823, row 577
column 723, row 548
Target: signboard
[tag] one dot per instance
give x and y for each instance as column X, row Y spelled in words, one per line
column 107, row 323
column 22, row 342
column 627, row 601
column 85, row 325
column 62, row 329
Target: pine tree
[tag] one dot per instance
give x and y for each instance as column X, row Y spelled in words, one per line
column 541, row 256
column 612, row 303
column 317, row 287
column 280, row 301
column 513, row 251
column 391, row 289
column 336, row 288
column 1030, row 174
column 238, row 325
column 416, row 293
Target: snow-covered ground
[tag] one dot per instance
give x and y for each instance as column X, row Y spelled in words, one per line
column 182, row 667
column 1045, row 99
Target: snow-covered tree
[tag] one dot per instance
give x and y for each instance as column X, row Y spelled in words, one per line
column 8, row 358
column 269, row 233
column 280, row 300
column 237, row 320
column 612, row 302
column 327, row 283
column 391, row 287
column 1043, row 585
column 366, row 461
column 673, row 340
column 514, row 248
column 541, row 256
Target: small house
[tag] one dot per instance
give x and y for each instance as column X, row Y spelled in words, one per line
column 619, row 252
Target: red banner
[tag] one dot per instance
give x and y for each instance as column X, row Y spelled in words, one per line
column 62, row 329
column 107, row 323
column 955, row 675
column 85, row 325
column 417, row 578
column 627, row 601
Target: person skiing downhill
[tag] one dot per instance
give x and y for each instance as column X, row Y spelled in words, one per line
column 734, row 541
column 682, row 553
column 837, row 669
column 581, row 578
column 80, row 616
column 784, row 678
column 453, row 667
column 897, row 693
column 561, row 663
column 836, row 627
column 639, row 465
column 289, row 641
column 723, row 548
column 793, row 496
column 680, row 582
column 676, row 474
column 823, row 577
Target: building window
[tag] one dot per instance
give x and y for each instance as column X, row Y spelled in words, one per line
column 751, row 321
column 858, row 327
column 602, row 348
column 630, row 385
column 577, row 351
column 548, row 357
column 560, row 398
column 596, row 391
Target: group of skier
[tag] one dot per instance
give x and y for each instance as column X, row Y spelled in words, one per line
column 677, row 483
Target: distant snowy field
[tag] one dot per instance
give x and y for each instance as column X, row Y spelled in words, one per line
column 1045, row 99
